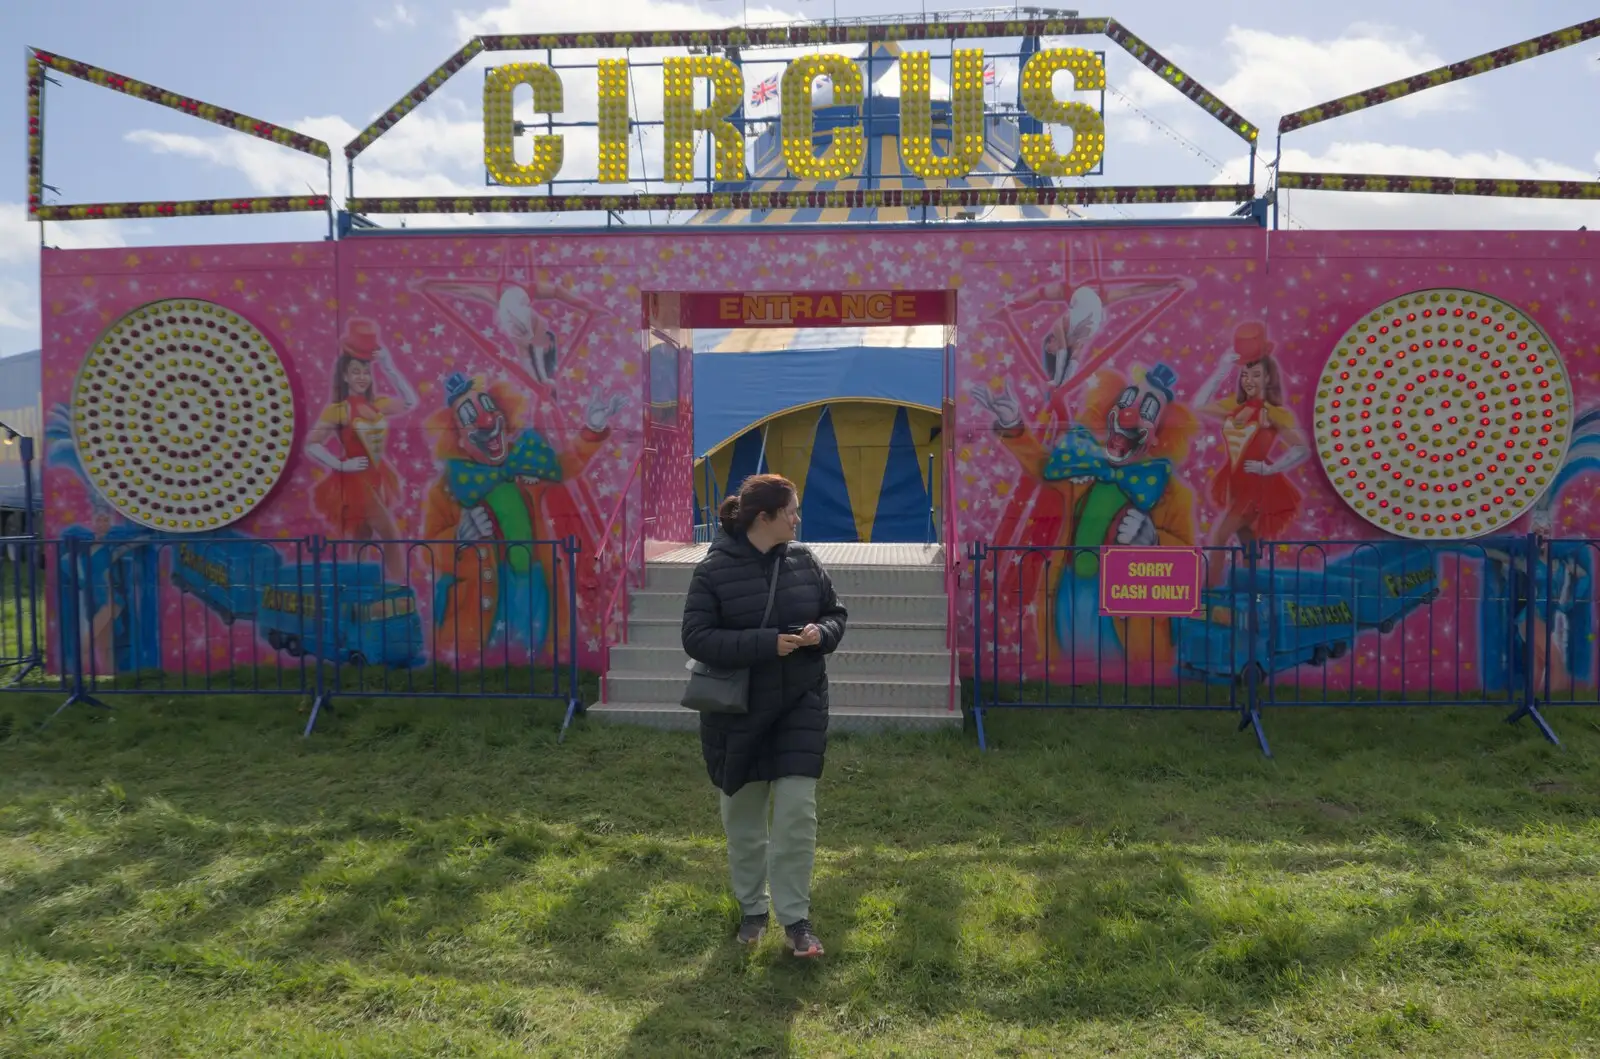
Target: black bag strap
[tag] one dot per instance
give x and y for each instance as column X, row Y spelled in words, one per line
column 772, row 592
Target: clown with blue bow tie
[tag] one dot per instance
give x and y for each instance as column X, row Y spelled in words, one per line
column 1122, row 488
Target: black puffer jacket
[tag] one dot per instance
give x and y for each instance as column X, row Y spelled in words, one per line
column 786, row 731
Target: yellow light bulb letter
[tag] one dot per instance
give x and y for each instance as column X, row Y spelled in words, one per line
column 683, row 119
column 966, row 115
column 614, row 124
column 1039, row 100
column 499, row 127
column 844, row 154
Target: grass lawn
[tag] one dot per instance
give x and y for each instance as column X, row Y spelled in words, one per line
column 190, row 878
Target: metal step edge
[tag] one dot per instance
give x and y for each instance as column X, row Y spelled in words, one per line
column 851, row 679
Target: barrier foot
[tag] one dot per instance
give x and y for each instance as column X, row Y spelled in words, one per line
column 76, row 697
column 977, row 716
column 1532, row 710
column 316, row 707
column 1251, row 718
column 29, row 665
column 573, row 706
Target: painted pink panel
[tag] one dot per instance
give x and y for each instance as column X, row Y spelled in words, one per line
column 551, row 322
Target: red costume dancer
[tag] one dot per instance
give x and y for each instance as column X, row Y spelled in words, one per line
column 356, row 494
column 1257, row 499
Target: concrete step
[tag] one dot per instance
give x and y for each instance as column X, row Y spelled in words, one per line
column 847, row 580
column 840, row 718
column 899, row 692
column 859, row 635
column 670, row 662
column 650, row 603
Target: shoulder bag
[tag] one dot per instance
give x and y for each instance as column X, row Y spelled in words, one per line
column 713, row 690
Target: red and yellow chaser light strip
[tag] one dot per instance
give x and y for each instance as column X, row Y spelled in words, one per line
column 804, row 36
column 1421, row 185
column 801, row 200
column 228, row 119
column 1482, row 64
column 40, row 61
column 1194, row 90
column 122, row 211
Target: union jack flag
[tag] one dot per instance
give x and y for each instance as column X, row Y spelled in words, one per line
column 766, row 90
column 988, row 73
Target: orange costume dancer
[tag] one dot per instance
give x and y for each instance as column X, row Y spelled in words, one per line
column 359, row 488
column 1257, row 499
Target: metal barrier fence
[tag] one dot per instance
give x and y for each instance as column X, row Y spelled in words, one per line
column 1294, row 624
column 130, row 614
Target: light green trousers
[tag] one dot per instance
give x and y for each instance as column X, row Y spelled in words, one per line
column 772, row 836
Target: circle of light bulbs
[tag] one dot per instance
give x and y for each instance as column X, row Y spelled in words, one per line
column 183, row 416
column 1443, row 414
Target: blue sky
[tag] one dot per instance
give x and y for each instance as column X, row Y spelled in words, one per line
column 328, row 68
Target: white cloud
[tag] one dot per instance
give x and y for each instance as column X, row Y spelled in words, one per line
column 399, row 16
column 19, row 269
column 530, row 16
column 1275, row 75
column 417, row 157
column 1360, row 210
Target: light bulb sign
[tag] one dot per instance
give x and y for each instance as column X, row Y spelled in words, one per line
column 702, row 88
column 1042, row 96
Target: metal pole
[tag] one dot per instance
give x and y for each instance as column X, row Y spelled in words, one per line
column 34, row 655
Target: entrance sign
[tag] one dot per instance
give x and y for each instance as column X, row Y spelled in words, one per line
column 1150, row 582
column 854, row 308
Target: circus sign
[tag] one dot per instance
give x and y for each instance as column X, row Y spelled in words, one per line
column 721, row 79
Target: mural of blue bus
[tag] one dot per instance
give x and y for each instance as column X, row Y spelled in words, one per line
column 348, row 614
column 1305, row 616
column 344, row 612
column 225, row 573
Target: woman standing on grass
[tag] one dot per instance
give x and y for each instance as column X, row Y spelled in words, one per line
column 767, row 762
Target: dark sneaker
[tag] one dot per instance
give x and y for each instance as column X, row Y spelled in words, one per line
column 751, row 928
column 802, row 942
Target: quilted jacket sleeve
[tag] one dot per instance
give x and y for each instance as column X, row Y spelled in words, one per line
column 833, row 617
column 704, row 638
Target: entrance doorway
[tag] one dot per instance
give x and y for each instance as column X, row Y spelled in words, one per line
column 843, row 392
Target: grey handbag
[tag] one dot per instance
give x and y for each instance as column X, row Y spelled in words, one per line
column 713, row 690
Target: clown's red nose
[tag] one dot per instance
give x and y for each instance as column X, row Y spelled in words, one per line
column 484, row 421
column 1128, row 418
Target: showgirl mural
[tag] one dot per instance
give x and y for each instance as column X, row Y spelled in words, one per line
column 1149, row 385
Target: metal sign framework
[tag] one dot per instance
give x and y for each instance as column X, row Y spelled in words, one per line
column 795, row 35
column 40, row 63
column 1407, row 86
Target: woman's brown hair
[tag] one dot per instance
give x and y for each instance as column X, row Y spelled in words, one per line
column 341, row 385
column 1271, row 383
column 761, row 494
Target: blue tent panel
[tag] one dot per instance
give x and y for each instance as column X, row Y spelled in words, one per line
column 827, row 513
column 733, row 391
column 903, row 504
column 748, row 459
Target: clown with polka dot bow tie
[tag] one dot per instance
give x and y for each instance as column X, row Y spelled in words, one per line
column 498, row 493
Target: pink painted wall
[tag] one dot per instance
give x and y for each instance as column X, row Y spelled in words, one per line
column 1168, row 296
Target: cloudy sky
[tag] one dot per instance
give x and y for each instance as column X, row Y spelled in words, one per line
column 327, row 69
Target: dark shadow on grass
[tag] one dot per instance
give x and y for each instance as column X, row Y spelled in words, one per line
column 469, row 816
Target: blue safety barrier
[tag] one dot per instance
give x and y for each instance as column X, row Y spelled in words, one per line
column 132, row 613
column 1504, row 622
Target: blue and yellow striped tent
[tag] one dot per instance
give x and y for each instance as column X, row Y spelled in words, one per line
column 851, row 417
column 881, row 168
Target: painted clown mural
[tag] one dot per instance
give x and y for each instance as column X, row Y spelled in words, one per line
column 501, row 488
column 445, row 398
